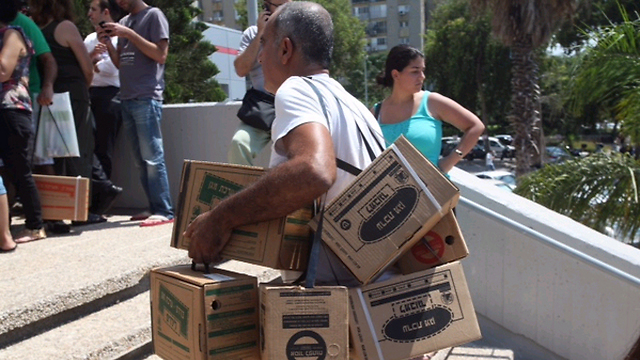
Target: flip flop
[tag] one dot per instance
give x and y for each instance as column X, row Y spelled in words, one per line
column 141, row 216
column 154, row 220
column 28, row 235
column 3, row 251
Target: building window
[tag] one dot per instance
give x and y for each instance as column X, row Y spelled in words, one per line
column 404, row 24
column 379, row 11
column 403, row 9
column 404, row 40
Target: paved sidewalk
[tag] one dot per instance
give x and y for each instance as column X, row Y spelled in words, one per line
column 61, row 274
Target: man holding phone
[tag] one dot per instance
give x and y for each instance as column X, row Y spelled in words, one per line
column 248, row 140
column 143, row 46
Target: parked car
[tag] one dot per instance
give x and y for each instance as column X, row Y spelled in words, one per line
column 500, row 149
column 448, row 146
column 478, row 152
column 502, row 175
column 556, row 154
column 504, row 139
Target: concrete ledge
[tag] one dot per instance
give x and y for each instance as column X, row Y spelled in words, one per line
column 58, row 276
column 101, row 335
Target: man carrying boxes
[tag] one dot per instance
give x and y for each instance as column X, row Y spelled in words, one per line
column 317, row 122
column 323, row 138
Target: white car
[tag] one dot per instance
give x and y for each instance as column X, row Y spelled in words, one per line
column 502, row 175
column 500, row 149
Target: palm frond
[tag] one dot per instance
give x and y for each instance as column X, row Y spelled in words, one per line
column 599, row 191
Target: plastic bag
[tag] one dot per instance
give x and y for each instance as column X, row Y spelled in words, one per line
column 56, row 134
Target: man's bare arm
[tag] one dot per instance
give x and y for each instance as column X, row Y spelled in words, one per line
column 49, row 71
column 243, row 63
column 156, row 51
column 309, row 173
column 245, row 60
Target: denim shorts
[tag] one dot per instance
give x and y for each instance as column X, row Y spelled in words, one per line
column 2, row 188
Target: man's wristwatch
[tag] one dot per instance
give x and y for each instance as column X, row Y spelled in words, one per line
column 457, row 151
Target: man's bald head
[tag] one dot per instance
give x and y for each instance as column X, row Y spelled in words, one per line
column 309, row 27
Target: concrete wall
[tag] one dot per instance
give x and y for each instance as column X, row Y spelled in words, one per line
column 569, row 307
column 200, row 131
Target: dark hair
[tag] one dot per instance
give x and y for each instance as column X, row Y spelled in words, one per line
column 57, row 10
column 399, row 58
column 114, row 10
column 309, row 27
column 9, row 11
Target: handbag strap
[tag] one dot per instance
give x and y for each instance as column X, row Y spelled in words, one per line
column 314, row 255
column 35, row 138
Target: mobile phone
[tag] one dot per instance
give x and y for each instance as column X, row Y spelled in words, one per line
column 101, row 24
column 265, row 7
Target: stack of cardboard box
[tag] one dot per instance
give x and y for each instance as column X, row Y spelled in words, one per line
column 398, row 210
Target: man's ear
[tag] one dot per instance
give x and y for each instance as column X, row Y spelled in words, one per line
column 286, row 50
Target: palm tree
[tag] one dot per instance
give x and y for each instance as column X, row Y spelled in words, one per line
column 608, row 78
column 599, row 191
column 524, row 26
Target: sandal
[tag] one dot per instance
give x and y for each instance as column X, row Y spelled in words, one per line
column 141, row 216
column 154, row 220
column 28, row 235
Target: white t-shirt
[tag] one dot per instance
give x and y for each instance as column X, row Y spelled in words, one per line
column 296, row 104
column 255, row 74
column 489, row 159
column 108, row 75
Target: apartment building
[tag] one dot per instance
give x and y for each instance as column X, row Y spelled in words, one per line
column 387, row 22
column 391, row 22
column 219, row 12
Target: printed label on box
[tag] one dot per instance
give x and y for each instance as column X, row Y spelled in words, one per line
column 174, row 313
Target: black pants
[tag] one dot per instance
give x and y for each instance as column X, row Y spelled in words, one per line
column 16, row 131
column 106, row 112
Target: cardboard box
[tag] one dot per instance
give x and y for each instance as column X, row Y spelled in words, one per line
column 442, row 244
column 388, row 208
column 63, row 197
column 279, row 244
column 204, row 316
column 299, row 324
column 411, row 315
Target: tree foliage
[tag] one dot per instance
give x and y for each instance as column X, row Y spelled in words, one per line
column 599, row 191
column 465, row 63
column 189, row 72
column 608, row 77
column 555, row 81
column 348, row 49
column 525, row 26
column 591, row 15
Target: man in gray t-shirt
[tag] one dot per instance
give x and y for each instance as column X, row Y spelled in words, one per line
column 143, row 45
column 249, row 141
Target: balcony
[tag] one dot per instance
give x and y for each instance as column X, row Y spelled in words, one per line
column 544, row 286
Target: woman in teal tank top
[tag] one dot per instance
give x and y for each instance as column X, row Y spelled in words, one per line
column 418, row 114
